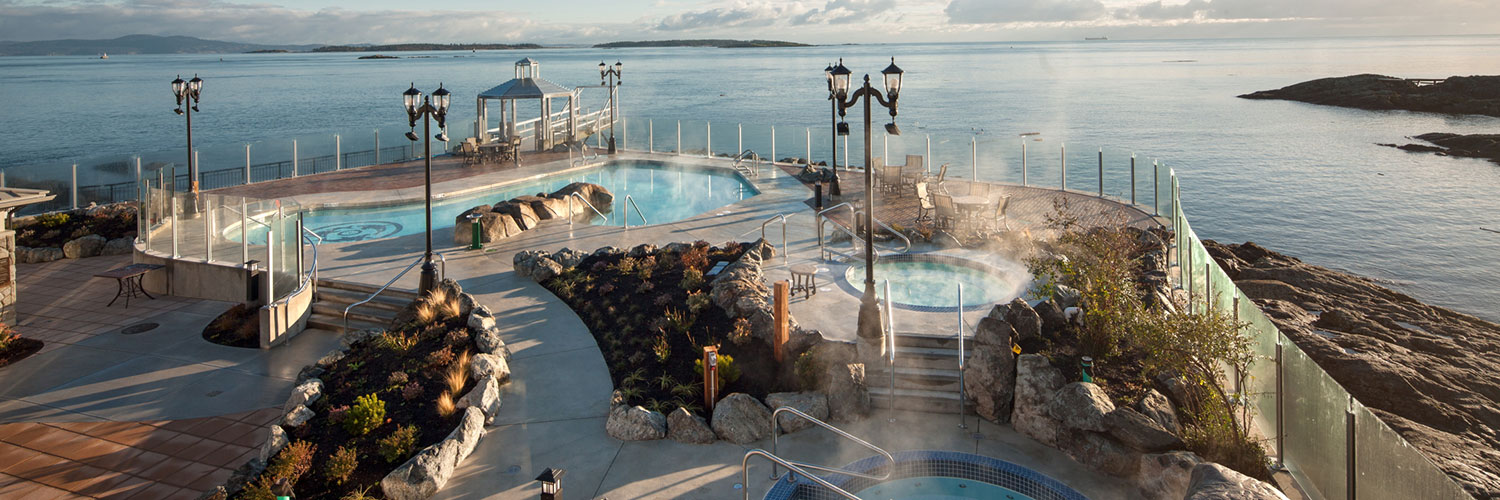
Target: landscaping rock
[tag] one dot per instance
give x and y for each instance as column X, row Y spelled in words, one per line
column 1100, row 453
column 486, row 396
column 1066, row 297
column 538, row 206
column 545, row 269
column 641, row 250
column 463, row 229
column 275, row 441
column 244, row 474
column 1157, row 408
column 298, row 416
column 309, row 372
column 87, row 246
column 740, row 419
column 568, row 258
column 333, row 356
column 217, row 493
column 524, row 262
column 1211, row 481
column 608, row 251
column 1024, row 319
column 1139, row 432
column 685, row 427
column 1036, row 382
column 635, row 423
column 1082, row 406
column 480, row 318
column 522, row 213
column 597, row 195
column 495, row 227
column 552, row 207
column 118, row 246
column 1166, row 475
column 489, row 342
column 811, row 403
column 489, row 365
column 1052, row 318
column 848, row 397
column 427, row 472
column 304, row 394
column 676, row 247
column 466, row 304
column 992, row 380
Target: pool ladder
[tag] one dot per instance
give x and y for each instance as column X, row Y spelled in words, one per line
column 750, row 170
column 822, row 218
column 802, row 468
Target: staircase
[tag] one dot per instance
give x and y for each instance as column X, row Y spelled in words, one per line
column 331, row 297
column 927, row 377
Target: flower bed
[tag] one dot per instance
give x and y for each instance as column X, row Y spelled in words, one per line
column 84, row 232
column 237, row 327
column 14, row 347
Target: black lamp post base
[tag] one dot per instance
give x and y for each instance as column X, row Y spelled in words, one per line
column 611, row 144
column 429, row 277
column 868, row 326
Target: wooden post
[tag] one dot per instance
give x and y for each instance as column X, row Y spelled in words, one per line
column 779, row 314
column 710, row 376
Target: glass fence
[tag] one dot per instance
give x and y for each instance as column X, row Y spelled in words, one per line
column 263, row 235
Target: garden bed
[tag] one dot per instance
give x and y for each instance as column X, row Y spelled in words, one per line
column 55, row 229
column 14, row 347
column 237, row 327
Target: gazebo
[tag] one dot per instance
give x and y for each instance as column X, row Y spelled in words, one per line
column 528, row 84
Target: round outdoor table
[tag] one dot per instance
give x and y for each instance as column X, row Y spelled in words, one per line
column 970, row 205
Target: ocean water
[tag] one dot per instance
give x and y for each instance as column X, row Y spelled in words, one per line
column 1306, row 180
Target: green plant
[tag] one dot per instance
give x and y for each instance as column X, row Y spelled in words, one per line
column 661, row 348
column 291, row 463
column 687, row 390
column 626, row 265
column 677, row 321
column 665, row 381
column 741, row 332
column 634, row 378
column 806, row 368
column 8, row 336
column 367, row 414
column 341, row 465
column 257, row 490
column 398, row 341
column 360, row 494
column 50, row 221
column 630, row 393
column 691, row 279
column 399, row 444
column 354, row 366
column 697, row 300
column 728, row 372
column 695, row 258
column 1100, row 263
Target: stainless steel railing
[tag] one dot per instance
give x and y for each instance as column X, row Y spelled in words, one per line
column 776, row 432
column 625, row 217
column 784, row 258
column 745, row 473
column 443, row 273
column 586, row 203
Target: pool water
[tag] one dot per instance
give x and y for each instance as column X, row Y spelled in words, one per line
column 664, row 193
column 938, row 488
column 929, row 282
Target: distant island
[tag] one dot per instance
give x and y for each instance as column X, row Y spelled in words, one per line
column 1482, row 146
column 409, row 47
column 717, row 43
column 378, row 56
column 137, row 44
column 1460, row 95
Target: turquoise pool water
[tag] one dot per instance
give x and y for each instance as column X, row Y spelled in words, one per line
column 938, row 488
column 930, row 281
column 664, row 193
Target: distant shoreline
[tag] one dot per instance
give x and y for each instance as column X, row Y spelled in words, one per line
column 416, row 47
column 715, row 43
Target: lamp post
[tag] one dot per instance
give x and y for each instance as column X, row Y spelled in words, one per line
column 869, row 308
column 833, row 118
column 551, row 480
column 613, row 80
column 189, row 91
column 427, row 108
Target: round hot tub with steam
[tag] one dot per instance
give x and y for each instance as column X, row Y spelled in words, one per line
column 929, row 282
column 931, row 475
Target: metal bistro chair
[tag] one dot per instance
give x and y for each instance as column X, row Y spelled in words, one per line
column 469, row 151
column 936, row 183
column 946, row 213
column 1001, row 220
column 890, row 178
column 925, row 207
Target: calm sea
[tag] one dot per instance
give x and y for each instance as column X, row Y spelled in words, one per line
column 1303, row 179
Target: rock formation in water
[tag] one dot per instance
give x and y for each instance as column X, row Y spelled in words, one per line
column 1473, row 95
column 1484, row 146
column 1428, row 372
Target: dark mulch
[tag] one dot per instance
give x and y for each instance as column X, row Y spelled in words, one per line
column 52, row 230
column 19, row 349
column 237, row 327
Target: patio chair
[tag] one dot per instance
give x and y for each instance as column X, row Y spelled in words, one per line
column 936, row 182
column 890, row 178
column 1001, row 220
column 914, row 162
column 469, row 151
column 946, row 213
column 979, row 189
column 925, row 207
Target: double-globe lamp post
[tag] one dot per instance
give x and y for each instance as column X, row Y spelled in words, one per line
column 427, row 108
column 610, row 77
column 189, row 92
column 833, row 124
column 869, row 308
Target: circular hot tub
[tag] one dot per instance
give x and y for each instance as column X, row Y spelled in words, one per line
column 931, row 475
column 929, row 282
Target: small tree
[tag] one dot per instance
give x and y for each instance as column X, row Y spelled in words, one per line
column 1100, row 262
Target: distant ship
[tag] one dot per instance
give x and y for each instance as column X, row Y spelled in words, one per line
column 1096, row 38
column 103, row 55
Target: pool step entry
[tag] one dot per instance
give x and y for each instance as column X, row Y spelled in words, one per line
column 927, row 377
column 333, row 296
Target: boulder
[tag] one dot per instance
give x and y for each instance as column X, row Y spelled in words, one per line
column 551, row 207
column 87, row 246
column 740, row 419
column 524, row 262
column 992, row 381
column 246, row 472
column 545, row 269
column 1052, row 318
column 568, row 257
column 811, row 403
column 597, row 195
column 463, row 229
column 1166, row 475
column 635, row 423
column 329, row 358
column 489, row 342
column 298, row 416
column 495, row 227
column 1024, row 319
column 538, row 206
column 480, row 318
column 609, row 251
column 49, row 254
column 677, row 247
column 685, row 427
column 1036, row 382
column 486, row 396
column 275, row 441
column 1139, row 432
column 428, row 471
column 1099, row 452
column 1156, row 407
column 489, row 365
column 1081, row 406
column 118, row 246
column 466, row 303
column 844, row 387
column 641, row 250
column 215, row 493
column 524, row 216
column 1066, row 297
column 1217, row 482
column 993, row 332
column 348, row 339
column 304, row 394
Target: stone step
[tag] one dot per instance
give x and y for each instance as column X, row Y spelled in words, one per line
column 347, row 297
column 919, row 400
column 394, row 292
column 358, row 314
column 936, row 341
column 334, row 323
column 932, row 379
column 928, row 357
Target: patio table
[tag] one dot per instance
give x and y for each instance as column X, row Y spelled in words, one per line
column 128, row 280
column 970, row 205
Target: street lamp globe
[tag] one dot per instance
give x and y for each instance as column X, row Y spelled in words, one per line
column 841, row 80
column 178, row 86
column 412, row 98
column 892, row 79
column 828, row 75
column 618, row 66
column 603, row 70
column 195, row 86
column 440, row 99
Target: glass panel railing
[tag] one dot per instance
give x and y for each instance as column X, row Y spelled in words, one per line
column 1387, row 466
column 1315, row 424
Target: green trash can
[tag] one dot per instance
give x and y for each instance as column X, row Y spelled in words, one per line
column 475, row 243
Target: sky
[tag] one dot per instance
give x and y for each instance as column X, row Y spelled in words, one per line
column 808, row 21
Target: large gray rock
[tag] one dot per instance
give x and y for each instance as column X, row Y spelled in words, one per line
column 486, row 396
column 480, row 318
column 635, row 423
column 545, row 269
column 1156, row 407
column 1100, row 453
column 524, row 261
column 1135, row 430
column 428, row 471
column 87, row 246
column 641, row 250
column 811, row 403
column 1024, row 319
column 1211, row 481
column 298, row 416
column 991, row 371
column 848, row 396
column 489, row 365
column 685, row 427
column 489, row 342
column 1166, row 475
column 568, row 257
column 1081, row 406
column 740, row 419
column 1036, row 382
column 494, row 226
column 275, row 441
column 118, row 246
column 1067, row 297
column 304, row 394
column 463, row 229
column 1052, row 318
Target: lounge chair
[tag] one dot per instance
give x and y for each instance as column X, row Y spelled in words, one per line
column 937, row 181
column 925, row 207
column 946, row 213
column 1001, row 220
column 890, row 179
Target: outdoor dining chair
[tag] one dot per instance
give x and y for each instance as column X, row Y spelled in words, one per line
column 936, row 183
column 946, row 213
column 1001, row 221
column 925, row 207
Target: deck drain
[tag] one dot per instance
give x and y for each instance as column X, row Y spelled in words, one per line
column 138, row 328
column 513, row 469
column 213, row 393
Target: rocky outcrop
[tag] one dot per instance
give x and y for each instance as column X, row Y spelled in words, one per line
column 1157, row 408
column 1211, row 481
column 635, row 423
column 1081, row 406
column 992, row 370
column 87, row 246
column 1138, row 432
column 1483, row 146
column 427, row 472
column 1475, row 95
column 848, row 396
column 811, row 403
column 511, row 217
column 1425, row 371
column 740, row 419
column 1036, row 381
column 685, row 427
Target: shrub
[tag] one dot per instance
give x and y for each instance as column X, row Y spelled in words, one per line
column 696, row 301
column 367, row 414
column 691, row 279
column 341, row 465
column 8, row 336
column 806, row 367
column 677, row 321
column 399, row 444
column 700, row 244
column 361, row 494
column 440, row 358
column 661, row 348
column 662, row 299
column 257, row 490
column 424, row 313
column 397, row 378
column 1100, row 263
column 741, row 333
column 645, row 287
column 458, row 373
column 412, row 391
column 696, row 258
column 52, row 220
column 458, row 336
column 291, row 463
column 728, row 372
column 599, row 266
column 732, row 247
column 626, row 265
column 398, row 341
column 606, row 288
column 445, row 405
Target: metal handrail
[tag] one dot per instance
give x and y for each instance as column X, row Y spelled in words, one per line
column 750, row 155
column 783, row 234
column 821, row 218
column 313, row 272
column 586, row 203
column 776, row 432
column 745, row 473
column 378, row 292
column 898, row 234
column 625, row 217
column 961, row 365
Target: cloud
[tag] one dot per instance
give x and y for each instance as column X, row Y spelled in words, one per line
column 1022, row 11
column 845, row 11
column 1304, row 9
column 762, row 14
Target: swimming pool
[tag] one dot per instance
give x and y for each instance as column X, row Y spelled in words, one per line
column 927, row 282
column 931, row 475
column 664, row 193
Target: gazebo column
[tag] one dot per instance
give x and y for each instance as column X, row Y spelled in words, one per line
column 541, row 126
column 480, row 123
column 572, row 118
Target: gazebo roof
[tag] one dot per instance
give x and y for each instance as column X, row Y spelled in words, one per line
column 526, row 88
column 11, row 197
